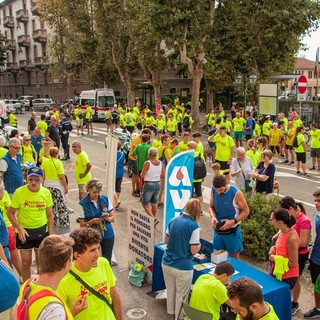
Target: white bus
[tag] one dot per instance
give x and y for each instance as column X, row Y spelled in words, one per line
column 99, row 100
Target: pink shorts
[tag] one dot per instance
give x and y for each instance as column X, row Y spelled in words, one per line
column 12, row 238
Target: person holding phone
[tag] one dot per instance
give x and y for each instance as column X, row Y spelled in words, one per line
column 98, row 214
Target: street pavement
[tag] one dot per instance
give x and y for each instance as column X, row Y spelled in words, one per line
column 139, row 303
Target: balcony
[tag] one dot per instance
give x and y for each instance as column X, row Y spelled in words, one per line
column 11, row 44
column 41, row 62
column 39, row 35
column 34, row 8
column 12, row 66
column 22, row 15
column 25, row 64
column 8, row 22
column 24, row 40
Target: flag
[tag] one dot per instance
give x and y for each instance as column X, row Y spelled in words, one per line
column 111, row 145
column 178, row 186
column 316, row 64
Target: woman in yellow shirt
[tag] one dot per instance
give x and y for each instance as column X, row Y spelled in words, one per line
column 275, row 136
column 27, row 150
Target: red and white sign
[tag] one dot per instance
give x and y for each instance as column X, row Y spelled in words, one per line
column 302, row 84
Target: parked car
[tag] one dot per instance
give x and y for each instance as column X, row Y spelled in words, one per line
column 17, row 104
column 42, row 104
column 25, row 100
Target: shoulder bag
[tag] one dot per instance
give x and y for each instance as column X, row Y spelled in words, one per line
column 247, row 182
column 94, row 292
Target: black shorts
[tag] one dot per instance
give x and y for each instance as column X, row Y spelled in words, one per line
column 115, row 121
column 291, row 281
column 314, row 271
column 130, row 128
column 315, row 152
column 288, row 147
column 224, row 165
column 118, row 185
column 28, row 244
column 303, row 258
column 301, row 156
column 248, row 137
column 197, row 188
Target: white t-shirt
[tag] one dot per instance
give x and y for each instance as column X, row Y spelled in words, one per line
column 246, row 167
column 52, row 311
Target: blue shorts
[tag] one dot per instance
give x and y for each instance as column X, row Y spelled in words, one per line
column 134, row 166
column 238, row 135
column 231, row 242
column 150, row 192
column 88, row 120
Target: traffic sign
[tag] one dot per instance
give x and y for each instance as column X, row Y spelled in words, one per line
column 302, row 97
column 302, row 84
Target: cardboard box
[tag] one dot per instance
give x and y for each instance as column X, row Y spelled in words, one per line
column 219, row 256
column 204, row 254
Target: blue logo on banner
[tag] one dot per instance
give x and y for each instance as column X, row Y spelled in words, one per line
column 178, row 186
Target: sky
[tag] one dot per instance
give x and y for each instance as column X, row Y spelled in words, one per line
column 312, row 42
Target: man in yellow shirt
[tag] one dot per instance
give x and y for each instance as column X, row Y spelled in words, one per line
column 238, row 126
column 34, row 220
column 266, row 127
column 247, row 301
column 289, row 139
column 275, row 136
column 315, row 146
column 97, row 273
column 81, row 169
column 88, row 118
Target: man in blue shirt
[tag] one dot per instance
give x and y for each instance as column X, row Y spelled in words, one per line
column 249, row 126
column 315, row 262
column 36, row 138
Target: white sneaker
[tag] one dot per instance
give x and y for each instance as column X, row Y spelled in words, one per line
column 70, row 210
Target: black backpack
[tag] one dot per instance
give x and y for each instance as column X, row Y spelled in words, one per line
column 115, row 114
column 200, row 170
column 295, row 142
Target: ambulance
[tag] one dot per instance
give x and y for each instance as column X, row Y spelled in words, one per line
column 99, row 100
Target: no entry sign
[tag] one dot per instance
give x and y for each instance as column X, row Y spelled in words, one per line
column 302, row 84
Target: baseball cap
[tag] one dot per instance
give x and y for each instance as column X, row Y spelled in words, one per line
column 35, row 171
column 268, row 116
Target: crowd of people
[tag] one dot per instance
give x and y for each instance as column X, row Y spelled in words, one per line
column 33, row 201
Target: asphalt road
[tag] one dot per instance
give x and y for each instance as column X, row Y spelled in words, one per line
column 132, row 297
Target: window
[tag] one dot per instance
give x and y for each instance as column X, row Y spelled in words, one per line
column 173, row 90
column 310, row 74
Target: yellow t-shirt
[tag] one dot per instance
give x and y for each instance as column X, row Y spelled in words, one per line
column 32, row 206
column 223, row 147
column 266, row 127
column 183, row 146
column 5, row 203
column 27, row 153
column 315, row 138
column 300, row 139
column 156, row 143
column 238, row 124
column 77, row 112
column 101, row 279
column 88, row 112
column 290, row 135
column 137, row 140
column 275, row 136
column 82, row 160
column 43, row 126
column 52, row 167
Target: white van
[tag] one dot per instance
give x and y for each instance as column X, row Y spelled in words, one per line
column 99, row 100
column 3, row 113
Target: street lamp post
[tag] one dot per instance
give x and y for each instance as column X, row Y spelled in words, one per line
column 239, row 79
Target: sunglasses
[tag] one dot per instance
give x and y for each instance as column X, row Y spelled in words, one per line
column 34, row 179
column 27, row 140
column 17, row 148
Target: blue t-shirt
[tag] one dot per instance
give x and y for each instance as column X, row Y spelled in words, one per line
column 183, row 231
column 4, row 237
column 36, row 142
column 92, row 211
column 224, row 204
column 120, row 165
column 9, row 287
column 249, row 123
column 315, row 255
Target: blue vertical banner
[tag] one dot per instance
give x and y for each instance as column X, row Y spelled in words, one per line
column 177, row 186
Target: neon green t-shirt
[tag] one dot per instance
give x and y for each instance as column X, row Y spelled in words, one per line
column 208, row 294
column 52, row 167
column 43, row 127
column 3, row 152
column 82, row 160
column 285, row 120
column 101, row 279
column 171, row 124
column 271, row 315
column 88, row 112
column 77, row 112
column 255, row 157
column 32, row 206
column 12, row 120
column 183, row 146
column 297, row 123
column 27, row 153
column 199, row 148
column 5, row 203
column 130, row 119
column 300, row 139
column 257, row 131
column 266, row 127
column 315, row 138
column 156, row 143
column 223, row 147
column 238, row 124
